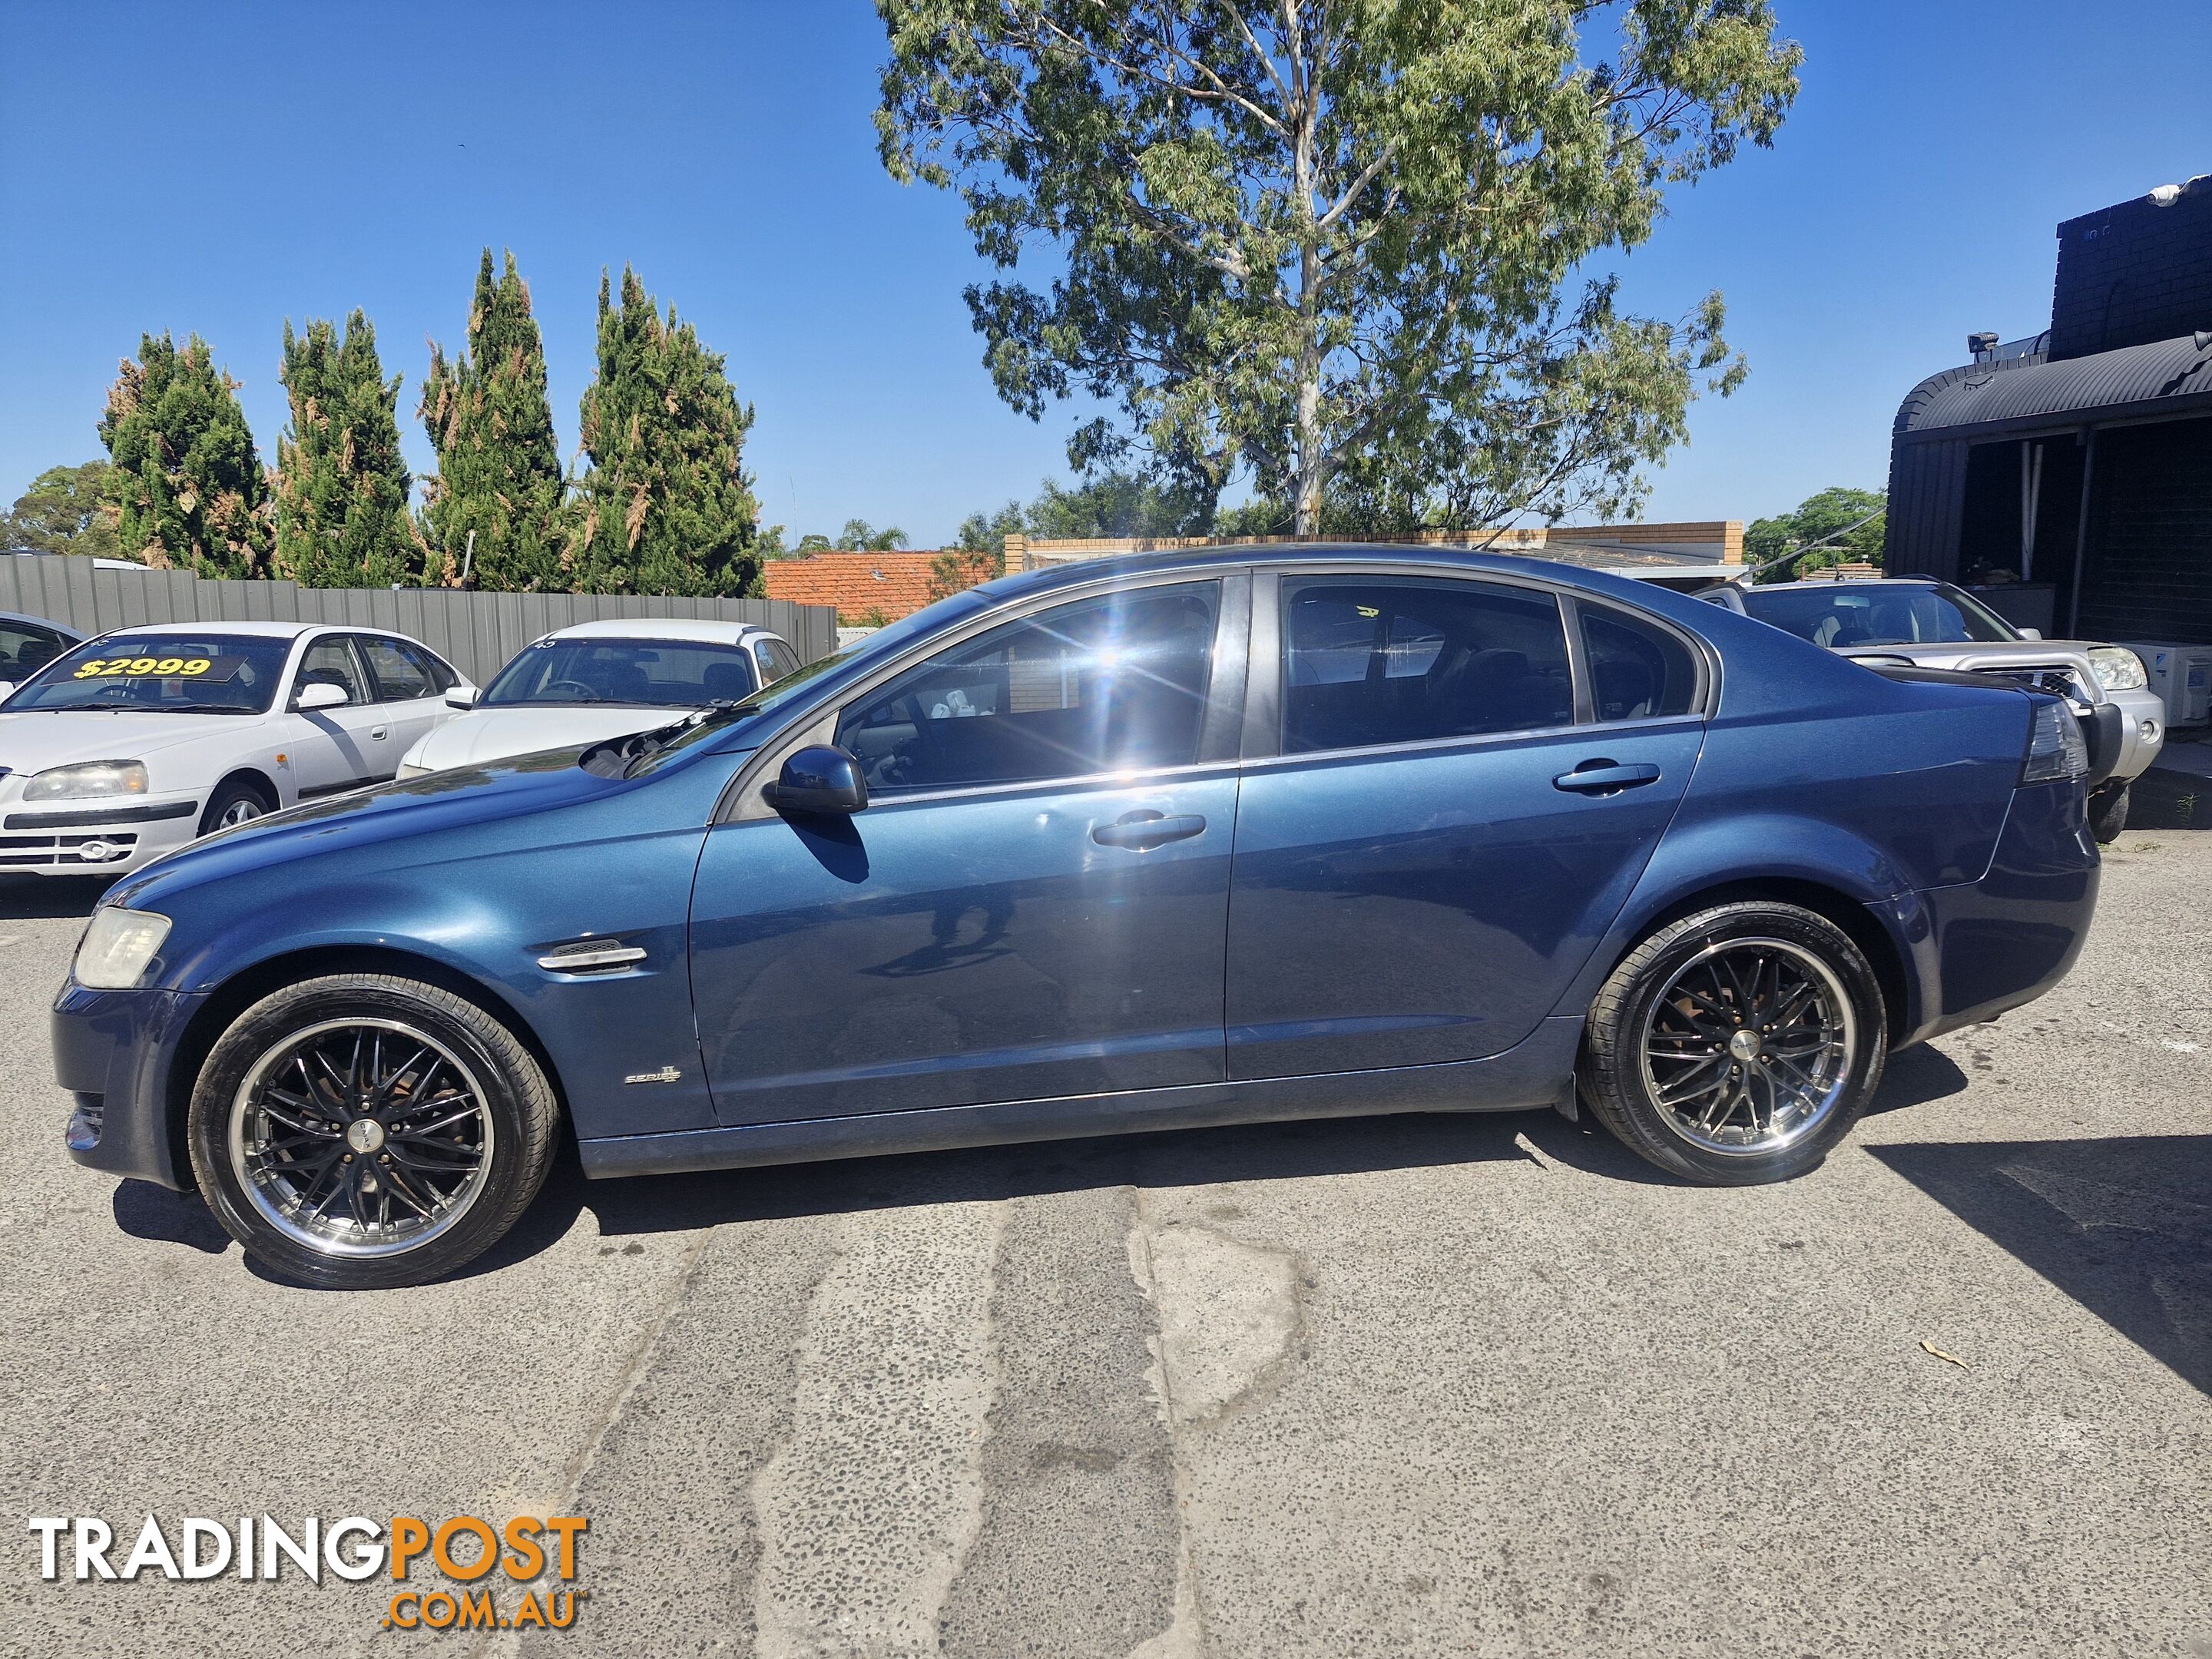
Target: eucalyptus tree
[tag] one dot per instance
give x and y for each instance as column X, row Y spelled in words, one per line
column 1359, row 249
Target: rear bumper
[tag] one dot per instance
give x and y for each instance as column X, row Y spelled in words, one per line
column 113, row 1051
column 1984, row 947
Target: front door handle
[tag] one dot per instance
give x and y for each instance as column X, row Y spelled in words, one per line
column 380, row 732
column 1604, row 777
column 1147, row 829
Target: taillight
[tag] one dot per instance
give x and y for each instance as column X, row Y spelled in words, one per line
column 2055, row 749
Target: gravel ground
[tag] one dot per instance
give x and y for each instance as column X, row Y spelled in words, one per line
column 1410, row 1386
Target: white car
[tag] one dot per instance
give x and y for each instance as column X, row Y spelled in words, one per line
column 131, row 745
column 599, row 680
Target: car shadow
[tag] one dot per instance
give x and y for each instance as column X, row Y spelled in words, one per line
column 146, row 1210
column 1265, row 1152
column 46, row 898
column 1916, row 1078
column 2124, row 1226
column 633, row 1206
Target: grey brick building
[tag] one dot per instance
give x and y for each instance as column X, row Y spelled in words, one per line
column 2079, row 460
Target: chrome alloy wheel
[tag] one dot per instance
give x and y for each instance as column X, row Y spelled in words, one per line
column 244, row 810
column 1750, row 1046
column 360, row 1137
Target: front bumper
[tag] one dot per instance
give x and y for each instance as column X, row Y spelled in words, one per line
column 115, row 1052
column 2136, row 751
column 84, row 838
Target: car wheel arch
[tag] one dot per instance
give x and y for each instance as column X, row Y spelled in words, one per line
column 1859, row 924
column 234, row 995
column 251, row 774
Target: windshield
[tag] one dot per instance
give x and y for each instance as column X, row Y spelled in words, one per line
column 651, row 673
column 183, row 673
column 1839, row 615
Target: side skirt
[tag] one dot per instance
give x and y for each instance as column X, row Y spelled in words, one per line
column 1530, row 1074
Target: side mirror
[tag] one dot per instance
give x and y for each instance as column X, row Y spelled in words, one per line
column 462, row 696
column 2030, row 633
column 321, row 695
column 7, row 687
column 820, row 778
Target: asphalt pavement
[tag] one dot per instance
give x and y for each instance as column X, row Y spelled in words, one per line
column 1413, row 1385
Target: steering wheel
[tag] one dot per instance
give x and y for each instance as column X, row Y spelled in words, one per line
column 591, row 692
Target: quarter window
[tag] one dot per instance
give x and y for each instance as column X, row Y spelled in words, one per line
column 1112, row 683
column 1636, row 671
column 1369, row 662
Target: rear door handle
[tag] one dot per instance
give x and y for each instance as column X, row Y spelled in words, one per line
column 1147, row 829
column 1603, row 777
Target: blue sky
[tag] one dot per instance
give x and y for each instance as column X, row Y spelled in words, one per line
column 220, row 168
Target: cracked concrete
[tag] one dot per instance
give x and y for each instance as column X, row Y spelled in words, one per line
column 1394, row 1387
column 868, row 1508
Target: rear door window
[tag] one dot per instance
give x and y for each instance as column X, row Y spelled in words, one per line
column 1369, row 662
column 400, row 676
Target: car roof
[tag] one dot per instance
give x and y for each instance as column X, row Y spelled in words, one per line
column 661, row 627
column 279, row 630
column 1615, row 584
column 1847, row 583
column 40, row 622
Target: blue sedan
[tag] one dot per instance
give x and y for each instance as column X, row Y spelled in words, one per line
column 1246, row 835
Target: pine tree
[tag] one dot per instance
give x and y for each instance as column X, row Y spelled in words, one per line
column 341, row 485
column 668, row 506
column 499, row 466
column 191, row 491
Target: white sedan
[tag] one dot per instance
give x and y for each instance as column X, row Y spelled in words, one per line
column 133, row 743
column 602, row 679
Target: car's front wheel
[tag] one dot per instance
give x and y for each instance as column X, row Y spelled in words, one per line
column 1737, row 1045
column 236, row 801
column 360, row 1131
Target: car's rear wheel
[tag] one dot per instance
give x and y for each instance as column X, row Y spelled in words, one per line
column 235, row 801
column 2108, row 812
column 1737, row 1045
column 360, row 1131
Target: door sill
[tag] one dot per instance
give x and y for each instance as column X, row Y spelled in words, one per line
column 1525, row 1076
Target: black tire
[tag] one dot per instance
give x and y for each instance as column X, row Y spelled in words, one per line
column 509, row 1113
column 1620, row 1084
column 230, row 795
column 2108, row 812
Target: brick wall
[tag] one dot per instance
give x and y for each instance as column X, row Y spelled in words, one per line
column 857, row 584
column 1720, row 540
column 2132, row 274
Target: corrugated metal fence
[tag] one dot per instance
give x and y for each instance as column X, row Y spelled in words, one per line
column 475, row 632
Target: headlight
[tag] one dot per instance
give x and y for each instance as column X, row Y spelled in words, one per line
column 2055, row 745
column 409, row 769
column 116, row 948
column 93, row 778
column 2117, row 668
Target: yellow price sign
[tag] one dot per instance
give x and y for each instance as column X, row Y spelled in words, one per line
column 162, row 668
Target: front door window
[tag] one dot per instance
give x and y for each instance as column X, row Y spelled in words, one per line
column 1114, row 683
